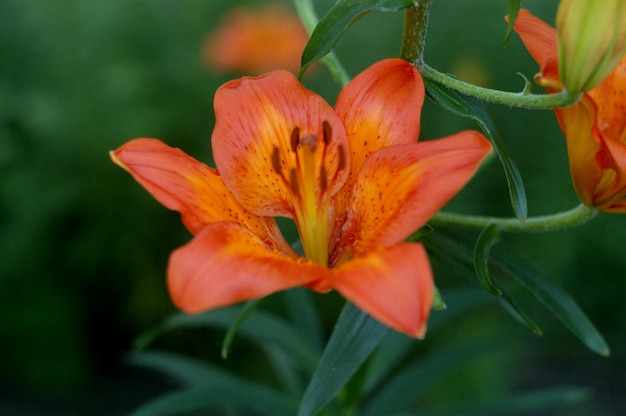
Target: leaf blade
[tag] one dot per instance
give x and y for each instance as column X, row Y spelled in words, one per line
column 354, row 338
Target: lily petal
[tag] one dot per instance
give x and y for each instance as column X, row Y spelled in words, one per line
column 394, row 286
column 401, row 187
column 380, row 107
column 577, row 122
column 225, row 264
column 541, row 41
column 259, row 123
column 183, row 184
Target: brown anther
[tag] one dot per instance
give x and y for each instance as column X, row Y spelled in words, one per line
column 295, row 139
column 276, row 160
column 293, row 180
column 323, row 179
column 342, row 158
column 327, row 132
column 310, row 141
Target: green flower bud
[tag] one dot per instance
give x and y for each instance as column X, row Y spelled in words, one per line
column 591, row 39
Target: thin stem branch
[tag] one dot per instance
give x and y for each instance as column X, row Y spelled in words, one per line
column 566, row 219
column 523, row 100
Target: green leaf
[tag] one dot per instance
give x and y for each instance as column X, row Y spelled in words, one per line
column 230, row 334
column 510, row 264
column 260, row 326
column 331, row 27
column 184, row 370
column 559, row 399
column 354, row 338
column 415, row 380
column 238, row 394
column 304, row 316
column 453, row 251
column 456, row 254
column 487, row 238
column 467, row 106
column 394, row 349
column 514, row 6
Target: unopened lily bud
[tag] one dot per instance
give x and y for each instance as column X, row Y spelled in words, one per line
column 591, row 39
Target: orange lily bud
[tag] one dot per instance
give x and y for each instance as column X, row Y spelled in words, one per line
column 591, row 40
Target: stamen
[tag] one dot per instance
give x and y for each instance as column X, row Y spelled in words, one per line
column 310, row 141
column 293, row 181
column 342, row 158
column 327, row 132
column 295, row 139
column 276, row 160
column 323, row 179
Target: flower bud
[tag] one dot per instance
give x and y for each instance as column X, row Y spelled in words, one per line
column 591, row 39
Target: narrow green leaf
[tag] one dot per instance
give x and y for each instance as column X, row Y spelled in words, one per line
column 331, row 27
column 303, row 314
column 238, row 394
column 230, row 334
column 394, row 349
column 260, row 326
column 186, row 371
column 354, row 338
column 487, row 238
column 514, row 6
column 452, row 250
column 456, row 253
column 466, row 106
column 510, row 264
column 535, row 402
column 416, row 379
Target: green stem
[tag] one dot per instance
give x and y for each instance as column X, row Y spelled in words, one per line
column 523, row 100
column 414, row 36
column 565, row 219
column 306, row 12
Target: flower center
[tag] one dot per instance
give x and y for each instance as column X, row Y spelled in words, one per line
column 307, row 182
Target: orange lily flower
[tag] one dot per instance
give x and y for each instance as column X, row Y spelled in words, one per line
column 595, row 127
column 352, row 178
column 254, row 41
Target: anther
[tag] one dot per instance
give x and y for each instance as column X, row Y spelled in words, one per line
column 293, row 181
column 295, row 139
column 323, row 179
column 342, row 158
column 327, row 132
column 276, row 159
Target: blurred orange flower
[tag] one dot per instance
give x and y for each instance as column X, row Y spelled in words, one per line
column 595, row 127
column 352, row 178
column 255, row 41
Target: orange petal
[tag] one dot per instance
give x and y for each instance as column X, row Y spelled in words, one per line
column 541, row 41
column 183, row 184
column 578, row 126
column 225, row 264
column 381, row 107
column 539, row 37
column 401, row 187
column 394, row 286
column 610, row 194
column 256, row 119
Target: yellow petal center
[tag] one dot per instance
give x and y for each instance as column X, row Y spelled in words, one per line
column 306, row 180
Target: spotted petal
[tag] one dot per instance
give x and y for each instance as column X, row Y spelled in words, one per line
column 401, row 187
column 183, row 184
column 380, row 107
column 225, row 264
column 394, row 286
column 259, row 124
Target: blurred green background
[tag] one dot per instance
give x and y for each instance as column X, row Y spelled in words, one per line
column 83, row 248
